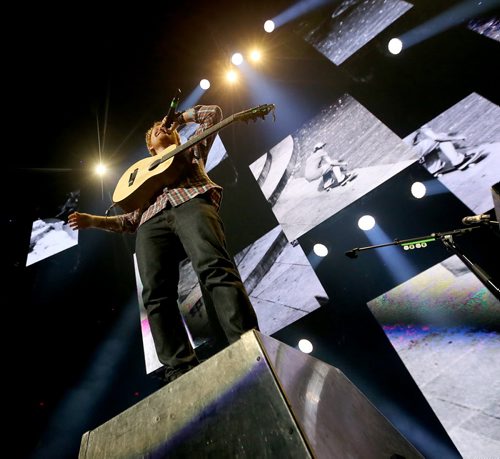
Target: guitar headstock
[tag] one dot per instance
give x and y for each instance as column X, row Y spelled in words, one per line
column 257, row 112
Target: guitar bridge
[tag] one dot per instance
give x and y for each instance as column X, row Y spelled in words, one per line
column 132, row 177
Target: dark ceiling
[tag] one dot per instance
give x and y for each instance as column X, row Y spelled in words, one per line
column 121, row 64
column 117, row 68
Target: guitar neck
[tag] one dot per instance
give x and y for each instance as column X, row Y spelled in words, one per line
column 197, row 139
column 143, row 180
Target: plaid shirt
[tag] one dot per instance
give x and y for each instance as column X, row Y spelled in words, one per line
column 195, row 180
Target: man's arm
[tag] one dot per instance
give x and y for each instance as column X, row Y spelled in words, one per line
column 440, row 136
column 206, row 116
column 116, row 223
column 333, row 162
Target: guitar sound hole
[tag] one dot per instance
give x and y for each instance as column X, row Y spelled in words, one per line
column 154, row 164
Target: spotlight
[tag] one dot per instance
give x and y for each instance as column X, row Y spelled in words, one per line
column 100, row 169
column 255, row 55
column 269, row 26
column 204, row 84
column 418, row 190
column 237, row 59
column 232, row 76
column 305, row 346
column 395, row 46
column 366, row 222
column 320, row 250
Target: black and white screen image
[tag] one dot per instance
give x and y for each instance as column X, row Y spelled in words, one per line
column 332, row 160
column 348, row 25
column 461, row 147
column 444, row 324
column 488, row 26
column 51, row 234
column 280, row 282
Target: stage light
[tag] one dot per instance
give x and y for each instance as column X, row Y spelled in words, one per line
column 237, row 59
column 232, row 76
column 457, row 14
column 204, row 84
column 100, row 169
column 395, row 46
column 418, row 190
column 305, row 346
column 269, row 26
column 255, row 55
column 320, row 250
column 366, row 222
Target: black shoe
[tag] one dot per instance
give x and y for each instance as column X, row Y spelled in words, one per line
column 171, row 374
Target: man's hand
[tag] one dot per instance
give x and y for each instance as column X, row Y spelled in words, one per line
column 79, row 221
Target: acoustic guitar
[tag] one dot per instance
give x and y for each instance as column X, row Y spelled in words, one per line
column 141, row 181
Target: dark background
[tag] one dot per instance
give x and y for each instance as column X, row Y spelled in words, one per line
column 74, row 348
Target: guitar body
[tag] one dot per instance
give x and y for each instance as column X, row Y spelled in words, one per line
column 147, row 177
column 138, row 184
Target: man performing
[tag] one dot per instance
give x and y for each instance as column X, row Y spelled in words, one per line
column 182, row 220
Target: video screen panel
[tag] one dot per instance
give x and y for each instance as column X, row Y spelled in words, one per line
column 51, row 234
column 488, row 26
column 461, row 148
column 444, row 324
column 348, row 25
column 332, row 160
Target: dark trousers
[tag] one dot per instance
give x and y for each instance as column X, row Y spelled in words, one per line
column 193, row 229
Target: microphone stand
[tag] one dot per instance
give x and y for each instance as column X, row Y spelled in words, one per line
column 446, row 238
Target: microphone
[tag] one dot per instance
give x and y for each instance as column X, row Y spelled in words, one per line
column 476, row 219
column 351, row 253
column 170, row 117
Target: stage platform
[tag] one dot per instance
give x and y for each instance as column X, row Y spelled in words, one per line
column 258, row 398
